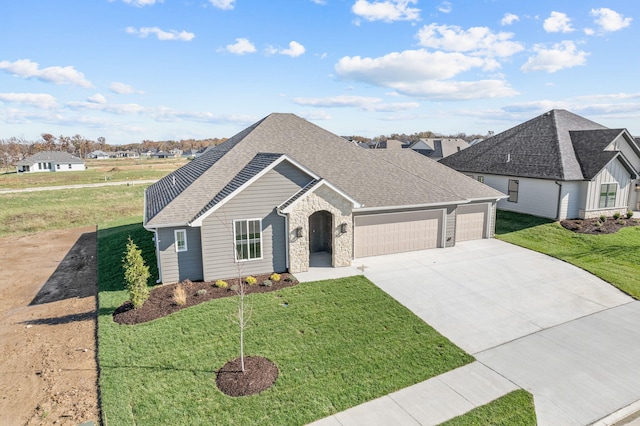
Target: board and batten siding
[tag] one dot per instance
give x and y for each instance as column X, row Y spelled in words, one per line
column 258, row 201
column 614, row 172
column 622, row 145
column 535, row 196
column 179, row 266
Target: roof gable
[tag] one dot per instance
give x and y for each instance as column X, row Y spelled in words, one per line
column 51, row 157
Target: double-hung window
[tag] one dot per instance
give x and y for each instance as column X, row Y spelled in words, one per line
column 181, row 239
column 608, row 195
column 514, row 185
column 248, row 239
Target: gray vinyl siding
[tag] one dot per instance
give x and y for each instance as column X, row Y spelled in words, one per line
column 450, row 224
column 257, row 201
column 179, row 266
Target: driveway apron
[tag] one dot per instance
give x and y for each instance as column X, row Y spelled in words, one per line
column 566, row 336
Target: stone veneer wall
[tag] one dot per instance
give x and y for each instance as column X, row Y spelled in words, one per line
column 323, row 198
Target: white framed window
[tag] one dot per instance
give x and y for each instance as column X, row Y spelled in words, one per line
column 247, row 235
column 514, row 185
column 608, row 193
column 181, row 239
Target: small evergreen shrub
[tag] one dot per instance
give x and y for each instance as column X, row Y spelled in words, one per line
column 250, row 280
column 221, row 284
column 267, row 283
column 275, row 277
column 603, row 218
column 201, row 292
column 620, row 222
column 235, row 287
column 136, row 274
column 616, row 215
column 179, row 295
column 597, row 224
column 629, row 214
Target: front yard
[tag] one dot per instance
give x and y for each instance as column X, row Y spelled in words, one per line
column 613, row 257
column 336, row 343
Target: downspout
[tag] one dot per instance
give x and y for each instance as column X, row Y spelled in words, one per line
column 286, row 236
column 157, row 242
column 559, row 200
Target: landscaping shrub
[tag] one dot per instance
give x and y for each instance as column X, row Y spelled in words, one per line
column 603, row 218
column 275, row 277
column 136, row 274
column 179, row 295
column 616, row 215
column 221, row 284
column 201, row 292
column 629, row 214
column 267, row 283
column 250, row 280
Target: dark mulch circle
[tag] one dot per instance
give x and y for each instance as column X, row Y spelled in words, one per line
column 160, row 302
column 596, row 226
column 259, row 374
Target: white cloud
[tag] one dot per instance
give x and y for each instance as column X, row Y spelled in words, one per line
column 509, row 18
column 609, row 20
column 589, row 31
column 97, row 99
column 363, row 102
column 123, row 89
column 561, row 55
column 557, row 22
column 476, row 40
column 320, row 2
column 142, row 3
column 223, row 4
column 161, row 34
column 241, row 46
column 387, row 10
column 423, row 74
column 119, row 109
column 59, row 75
column 40, row 100
column 445, row 7
column 295, row 49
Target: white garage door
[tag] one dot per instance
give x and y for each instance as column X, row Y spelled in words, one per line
column 471, row 222
column 397, row 232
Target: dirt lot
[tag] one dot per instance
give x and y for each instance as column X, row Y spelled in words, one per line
column 48, row 371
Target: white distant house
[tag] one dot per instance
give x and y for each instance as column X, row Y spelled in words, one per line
column 98, row 155
column 50, row 161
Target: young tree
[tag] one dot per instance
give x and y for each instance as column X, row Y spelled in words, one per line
column 136, row 274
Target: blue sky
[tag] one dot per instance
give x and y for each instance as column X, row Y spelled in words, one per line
column 130, row 70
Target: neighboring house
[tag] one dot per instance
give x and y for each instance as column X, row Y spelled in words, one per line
column 390, row 144
column 126, row 154
column 163, row 154
column 98, row 155
column 190, row 153
column 50, row 161
column 284, row 189
column 438, row 148
column 558, row 165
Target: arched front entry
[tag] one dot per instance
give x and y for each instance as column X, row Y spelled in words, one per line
column 320, row 235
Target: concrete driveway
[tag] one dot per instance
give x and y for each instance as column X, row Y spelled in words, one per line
column 569, row 338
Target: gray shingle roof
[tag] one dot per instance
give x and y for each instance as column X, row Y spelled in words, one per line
column 539, row 148
column 50, row 157
column 376, row 178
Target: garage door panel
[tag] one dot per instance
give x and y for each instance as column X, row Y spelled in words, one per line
column 471, row 222
column 396, row 232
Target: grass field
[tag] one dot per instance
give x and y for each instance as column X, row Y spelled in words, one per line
column 515, row 408
column 613, row 257
column 98, row 171
column 337, row 344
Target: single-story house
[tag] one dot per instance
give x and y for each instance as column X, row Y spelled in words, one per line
column 558, row 165
column 438, row 148
column 164, row 154
column 271, row 197
column 390, row 144
column 126, row 154
column 50, row 161
column 98, row 155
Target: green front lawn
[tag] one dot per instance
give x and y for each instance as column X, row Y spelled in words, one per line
column 515, row 408
column 337, row 344
column 613, row 257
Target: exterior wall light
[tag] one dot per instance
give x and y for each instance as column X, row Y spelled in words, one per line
column 343, row 228
column 299, row 232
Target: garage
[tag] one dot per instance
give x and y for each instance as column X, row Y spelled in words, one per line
column 471, row 222
column 397, row 232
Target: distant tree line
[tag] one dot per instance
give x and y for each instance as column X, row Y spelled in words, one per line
column 416, row 137
column 17, row 148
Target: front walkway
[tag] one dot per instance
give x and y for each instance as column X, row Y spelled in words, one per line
column 530, row 320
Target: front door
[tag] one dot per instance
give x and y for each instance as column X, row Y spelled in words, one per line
column 320, row 232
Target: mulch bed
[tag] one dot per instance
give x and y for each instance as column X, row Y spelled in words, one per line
column 596, row 226
column 259, row 374
column 160, row 302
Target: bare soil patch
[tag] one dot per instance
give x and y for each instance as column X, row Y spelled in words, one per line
column 47, row 328
column 160, row 302
column 259, row 374
column 596, row 226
